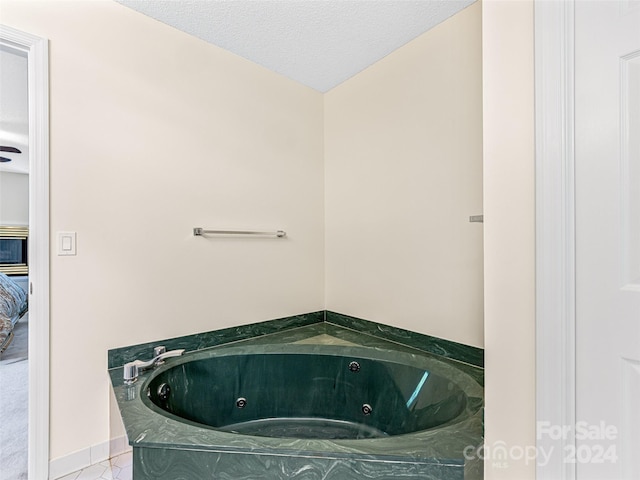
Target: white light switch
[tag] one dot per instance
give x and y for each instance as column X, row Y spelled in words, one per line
column 66, row 243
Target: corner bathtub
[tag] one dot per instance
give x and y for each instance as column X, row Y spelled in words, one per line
column 301, row 411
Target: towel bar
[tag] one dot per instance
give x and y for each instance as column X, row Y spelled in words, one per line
column 198, row 231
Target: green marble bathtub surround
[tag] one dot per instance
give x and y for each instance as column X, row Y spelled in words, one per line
column 119, row 356
column 299, row 366
column 244, row 370
column 323, row 320
column 331, row 334
column 437, row 346
column 171, row 464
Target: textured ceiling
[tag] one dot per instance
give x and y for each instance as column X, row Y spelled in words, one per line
column 320, row 43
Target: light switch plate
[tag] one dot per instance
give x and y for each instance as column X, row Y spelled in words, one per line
column 66, row 243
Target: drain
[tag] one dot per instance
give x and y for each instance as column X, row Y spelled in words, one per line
column 164, row 390
column 366, row 409
column 354, row 366
column 241, row 402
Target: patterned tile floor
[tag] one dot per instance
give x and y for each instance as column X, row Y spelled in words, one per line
column 118, row 468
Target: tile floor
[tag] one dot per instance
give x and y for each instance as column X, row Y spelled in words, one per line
column 118, row 468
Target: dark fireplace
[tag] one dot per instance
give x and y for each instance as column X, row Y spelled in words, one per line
column 13, row 250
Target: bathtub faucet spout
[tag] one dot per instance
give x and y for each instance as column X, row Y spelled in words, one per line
column 132, row 369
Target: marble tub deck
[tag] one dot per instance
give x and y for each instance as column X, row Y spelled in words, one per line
column 164, row 448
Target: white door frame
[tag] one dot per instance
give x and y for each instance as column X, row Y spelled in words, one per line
column 37, row 50
column 555, row 233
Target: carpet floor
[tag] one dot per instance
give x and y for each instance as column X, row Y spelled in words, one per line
column 14, row 401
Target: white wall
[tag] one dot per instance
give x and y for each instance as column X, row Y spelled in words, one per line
column 14, row 198
column 403, row 173
column 154, row 132
column 509, row 247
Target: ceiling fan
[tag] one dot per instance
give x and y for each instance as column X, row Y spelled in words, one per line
column 8, row 150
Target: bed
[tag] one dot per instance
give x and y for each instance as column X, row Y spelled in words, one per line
column 13, row 305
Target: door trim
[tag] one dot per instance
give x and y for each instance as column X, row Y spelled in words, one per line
column 37, row 50
column 555, row 235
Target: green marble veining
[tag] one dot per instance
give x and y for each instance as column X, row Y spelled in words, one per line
column 437, row 346
column 167, row 447
column 434, row 345
column 154, row 464
column 119, row 356
column 325, row 339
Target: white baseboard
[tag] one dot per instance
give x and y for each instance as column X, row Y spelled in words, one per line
column 61, row 466
column 118, row 446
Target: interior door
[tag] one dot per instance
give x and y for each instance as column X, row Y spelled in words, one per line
column 607, row 122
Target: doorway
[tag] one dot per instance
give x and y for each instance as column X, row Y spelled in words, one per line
column 35, row 50
column 14, row 228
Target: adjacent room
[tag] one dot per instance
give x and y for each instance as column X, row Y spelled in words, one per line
column 14, row 269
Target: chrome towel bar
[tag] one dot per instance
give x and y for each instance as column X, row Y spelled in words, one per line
column 197, row 231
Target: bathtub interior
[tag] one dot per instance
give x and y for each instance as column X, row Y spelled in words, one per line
column 297, row 395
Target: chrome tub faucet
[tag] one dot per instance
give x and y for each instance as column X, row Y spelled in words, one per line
column 132, row 369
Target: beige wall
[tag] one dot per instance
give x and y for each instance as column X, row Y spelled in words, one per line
column 403, row 173
column 509, row 233
column 154, row 132
column 14, row 198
